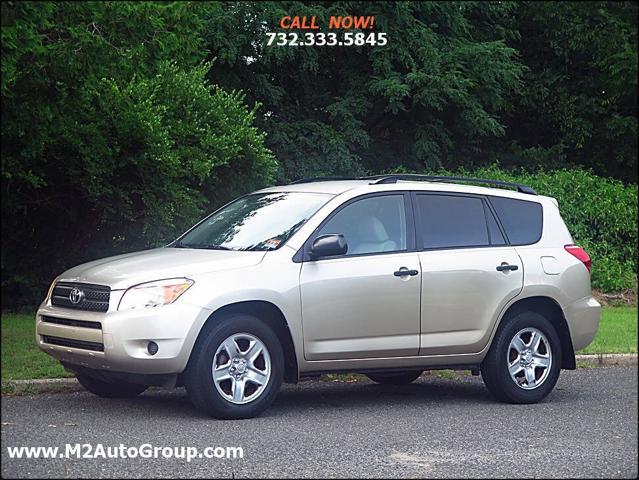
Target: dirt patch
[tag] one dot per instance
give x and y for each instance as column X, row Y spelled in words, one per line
column 616, row 299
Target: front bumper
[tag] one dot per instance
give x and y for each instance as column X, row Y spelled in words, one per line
column 583, row 321
column 118, row 340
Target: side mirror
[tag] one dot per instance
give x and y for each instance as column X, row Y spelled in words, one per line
column 329, row 245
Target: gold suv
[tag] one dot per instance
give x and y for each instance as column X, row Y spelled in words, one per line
column 388, row 276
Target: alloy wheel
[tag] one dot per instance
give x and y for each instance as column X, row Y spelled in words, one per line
column 529, row 358
column 241, row 368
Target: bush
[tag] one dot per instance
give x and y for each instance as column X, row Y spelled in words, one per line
column 112, row 138
column 601, row 214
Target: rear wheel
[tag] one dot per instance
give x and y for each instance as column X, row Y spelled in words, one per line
column 397, row 378
column 110, row 389
column 524, row 360
column 236, row 368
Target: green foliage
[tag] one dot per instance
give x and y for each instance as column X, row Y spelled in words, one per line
column 122, row 122
column 601, row 214
column 112, row 139
column 579, row 97
column 428, row 98
column 459, row 84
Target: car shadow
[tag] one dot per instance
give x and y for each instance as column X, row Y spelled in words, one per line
column 322, row 396
column 366, row 394
column 315, row 394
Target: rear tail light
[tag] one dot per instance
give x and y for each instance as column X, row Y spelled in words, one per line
column 580, row 254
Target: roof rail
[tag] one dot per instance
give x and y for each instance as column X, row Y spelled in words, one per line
column 322, row 179
column 382, row 179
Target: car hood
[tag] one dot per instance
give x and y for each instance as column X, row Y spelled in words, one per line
column 123, row 271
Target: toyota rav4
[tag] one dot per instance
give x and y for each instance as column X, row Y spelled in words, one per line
column 387, row 276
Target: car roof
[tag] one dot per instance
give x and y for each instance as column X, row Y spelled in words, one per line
column 337, row 187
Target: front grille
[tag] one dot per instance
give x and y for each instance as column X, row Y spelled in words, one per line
column 72, row 323
column 94, row 298
column 68, row 342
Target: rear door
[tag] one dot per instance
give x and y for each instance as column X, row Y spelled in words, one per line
column 469, row 272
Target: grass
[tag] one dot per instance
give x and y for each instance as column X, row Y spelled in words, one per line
column 446, row 374
column 617, row 332
column 342, row 377
column 21, row 358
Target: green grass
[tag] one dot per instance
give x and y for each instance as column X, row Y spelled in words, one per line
column 21, row 358
column 617, row 332
column 446, row 374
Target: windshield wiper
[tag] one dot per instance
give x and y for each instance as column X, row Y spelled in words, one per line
column 201, row 246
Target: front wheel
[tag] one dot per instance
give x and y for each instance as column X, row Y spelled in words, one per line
column 236, row 368
column 524, row 360
column 399, row 378
column 110, row 389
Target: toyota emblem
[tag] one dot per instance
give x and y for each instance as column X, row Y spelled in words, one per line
column 76, row 295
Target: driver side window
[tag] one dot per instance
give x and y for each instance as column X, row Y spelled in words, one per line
column 371, row 225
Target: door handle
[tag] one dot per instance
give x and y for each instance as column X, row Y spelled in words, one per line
column 504, row 267
column 404, row 271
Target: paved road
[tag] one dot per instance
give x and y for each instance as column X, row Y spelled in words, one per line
column 432, row 428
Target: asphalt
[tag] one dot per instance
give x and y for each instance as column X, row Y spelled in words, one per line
column 435, row 427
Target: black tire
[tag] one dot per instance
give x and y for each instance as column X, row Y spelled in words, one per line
column 397, row 378
column 198, row 378
column 494, row 368
column 110, row 389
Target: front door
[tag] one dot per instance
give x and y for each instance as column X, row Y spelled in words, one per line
column 366, row 303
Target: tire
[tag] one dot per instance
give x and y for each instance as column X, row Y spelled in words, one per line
column 110, row 389
column 531, row 381
column 223, row 398
column 399, row 378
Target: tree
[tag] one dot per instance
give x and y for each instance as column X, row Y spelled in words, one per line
column 579, row 101
column 112, row 140
column 429, row 98
column 531, row 84
column 122, row 122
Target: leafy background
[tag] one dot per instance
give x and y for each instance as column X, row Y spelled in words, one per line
column 125, row 122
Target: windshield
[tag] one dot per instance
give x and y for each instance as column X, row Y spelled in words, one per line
column 261, row 221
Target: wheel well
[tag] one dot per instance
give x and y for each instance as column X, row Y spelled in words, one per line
column 274, row 318
column 552, row 311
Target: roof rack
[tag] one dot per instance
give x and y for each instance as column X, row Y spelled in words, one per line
column 383, row 179
column 322, row 179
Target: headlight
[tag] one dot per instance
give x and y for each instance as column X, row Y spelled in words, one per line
column 154, row 294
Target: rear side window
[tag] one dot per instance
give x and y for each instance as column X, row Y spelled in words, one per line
column 449, row 221
column 521, row 220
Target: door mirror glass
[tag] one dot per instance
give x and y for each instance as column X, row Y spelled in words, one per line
column 329, row 245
